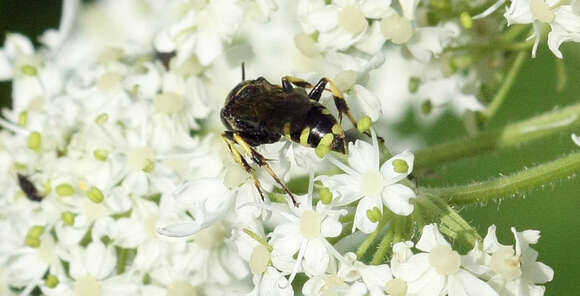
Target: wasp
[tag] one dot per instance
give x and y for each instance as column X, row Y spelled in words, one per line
column 28, row 188
column 258, row 112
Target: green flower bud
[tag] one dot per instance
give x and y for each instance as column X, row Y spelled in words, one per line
column 102, row 118
column 414, row 83
column 34, row 141
column 400, row 166
column 68, row 218
column 64, row 190
column 29, row 70
column 427, row 107
column 95, row 195
column 374, row 215
column 466, row 20
column 32, row 242
column 51, row 281
column 23, row 118
column 325, row 195
column 101, row 154
column 364, row 124
column 149, row 166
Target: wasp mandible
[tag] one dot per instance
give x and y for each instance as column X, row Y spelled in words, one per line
column 258, row 112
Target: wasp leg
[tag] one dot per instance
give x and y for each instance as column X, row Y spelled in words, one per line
column 287, row 82
column 260, row 161
column 237, row 156
column 339, row 100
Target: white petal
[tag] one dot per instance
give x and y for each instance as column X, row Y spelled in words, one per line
column 209, row 46
column 565, row 27
column 179, row 230
column 576, row 139
column 388, row 170
column 463, row 283
column 5, row 67
column 147, row 254
column 429, row 42
column 163, row 42
column 361, row 220
column 430, row 238
column 538, row 273
column 17, row 44
column 409, row 7
column 99, row 260
column 343, row 187
column 370, row 103
column 330, row 227
column 323, row 19
column 375, row 8
column 490, row 242
column 519, row 12
column 396, row 197
column 363, row 156
column 131, row 233
column 316, row 258
column 376, row 275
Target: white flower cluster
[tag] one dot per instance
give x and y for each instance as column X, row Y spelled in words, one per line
column 562, row 16
column 111, row 150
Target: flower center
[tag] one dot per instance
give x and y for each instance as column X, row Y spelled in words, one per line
column 397, row 28
column 371, row 183
column 168, row 102
column 306, row 45
column 181, row 288
column 151, row 225
column 396, row 287
column 109, row 81
column 504, row 262
column 259, row 260
column 310, row 224
column 211, row 237
column 541, row 11
column 87, row 286
column 444, row 260
column 333, row 285
column 138, row 158
column 352, row 19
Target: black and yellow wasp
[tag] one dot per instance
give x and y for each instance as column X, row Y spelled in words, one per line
column 257, row 112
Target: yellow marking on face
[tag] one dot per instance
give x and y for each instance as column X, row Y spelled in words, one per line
column 241, row 89
column 325, row 111
column 326, row 140
column 337, row 129
column 287, row 130
column 304, row 136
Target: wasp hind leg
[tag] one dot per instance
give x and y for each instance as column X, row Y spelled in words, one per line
column 237, row 156
column 257, row 158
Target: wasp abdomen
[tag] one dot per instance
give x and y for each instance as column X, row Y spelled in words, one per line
column 318, row 124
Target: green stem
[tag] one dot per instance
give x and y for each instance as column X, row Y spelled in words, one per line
column 122, row 258
column 362, row 249
column 510, row 185
column 501, row 94
column 511, row 135
column 494, row 45
column 384, row 247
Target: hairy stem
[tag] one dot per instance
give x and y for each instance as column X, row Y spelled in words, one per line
column 511, row 135
column 508, row 185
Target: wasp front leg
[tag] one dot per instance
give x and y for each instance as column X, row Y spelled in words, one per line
column 237, row 156
column 337, row 95
column 259, row 159
column 288, row 81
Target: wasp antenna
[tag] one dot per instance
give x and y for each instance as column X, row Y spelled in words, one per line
column 243, row 71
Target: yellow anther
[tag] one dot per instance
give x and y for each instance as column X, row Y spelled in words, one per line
column 337, row 129
column 287, row 130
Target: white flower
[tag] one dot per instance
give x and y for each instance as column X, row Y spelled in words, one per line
column 202, row 30
column 342, row 23
column 575, row 139
column 374, row 186
column 563, row 19
column 511, row 270
column 438, row 270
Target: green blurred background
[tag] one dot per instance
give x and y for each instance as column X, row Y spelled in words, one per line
column 553, row 209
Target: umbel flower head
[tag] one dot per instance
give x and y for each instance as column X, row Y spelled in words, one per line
column 116, row 180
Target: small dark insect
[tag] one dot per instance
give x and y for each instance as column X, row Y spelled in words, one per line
column 28, row 188
column 257, row 112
